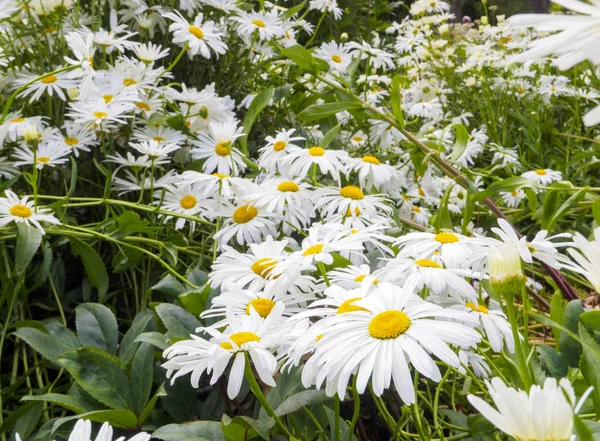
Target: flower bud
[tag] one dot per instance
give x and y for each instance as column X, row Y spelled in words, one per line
column 73, row 92
column 31, row 134
column 506, row 274
column 484, row 20
column 344, row 36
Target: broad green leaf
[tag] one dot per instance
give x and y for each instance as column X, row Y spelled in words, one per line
column 97, row 326
column 129, row 224
column 569, row 346
column 247, row 427
column 396, row 102
column 154, row 338
column 141, row 376
column 294, row 10
column 596, row 211
column 49, row 346
column 552, row 361
column 100, row 375
column 150, row 405
column 195, row 301
column 179, row 322
column 320, row 111
column 591, row 319
column 14, row 416
column 28, row 242
column 196, row 431
column 297, row 401
column 170, row 286
column 259, row 102
column 563, row 210
column 461, row 141
column 506, row 185
column 301, row 56
column 27, row 422
column 583, row 432
column 121, row 418
column 556, row 312
column 590, row 366
column 128, row 344
column 93, row 264
column 330, row 135
column 69, row 402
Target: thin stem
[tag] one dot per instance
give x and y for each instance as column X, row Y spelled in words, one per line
column 336, row 422
column 510, row 307
column 355, row 415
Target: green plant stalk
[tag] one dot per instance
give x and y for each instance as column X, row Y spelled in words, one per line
column 510, row 307
column 315, row 421
column 255, row 388
column 355, row 415
column 336, row 422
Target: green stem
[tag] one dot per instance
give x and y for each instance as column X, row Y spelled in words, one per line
column 255, row 388
column 356, row 398
column 336, row 422
column 510, row 307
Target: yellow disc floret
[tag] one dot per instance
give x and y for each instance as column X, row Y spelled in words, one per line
column 352, row 192
column 244, row 214
column 264, row 266
column 444, row 237
column 348, row 306
column 389, row 324
column 426, row 263
column 288, row 186
column 188, row 202
column 262, row 306
column 20, row 210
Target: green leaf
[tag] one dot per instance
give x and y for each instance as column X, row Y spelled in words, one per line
column 14, row 416
column 242, row 427
column 297, row 401
column 590, row 366
column 69, row 402
column 301, row 56
column 100, row 375
column 170, row 286
column 320, row 111
column 596, row 211
column 506, row 185
column 556, row 312
column 556, row 215
column 97, row 326
column 154, row 338
column 591, row 320
column 196, row 431
column 553, row 363
column 128, row 345
column 93, row 264
column 259, row 102
column 569, row 346
column 28, row 242
column 121, row 418
column 460, row 144
column 293, row 10
column 151, row 404
column 179, row 322
column 194, row 301
column 49, row 346
column 141, row 376
column 27, row 422
column 583, row 432
column 128, row 224
column 330, row 135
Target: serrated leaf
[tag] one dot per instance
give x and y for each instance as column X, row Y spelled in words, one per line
column 128, row 344
column 551, row 360
column 590, row 365
column 179, row 322
column 297, row 401
column 100, row 375
column 569, row 346
column 50, row 347
column 506, row 185
column 97, row 326
column 69, row 402
column 141, row 376
column 301, row 56
column 28, row 242
column 154, row 338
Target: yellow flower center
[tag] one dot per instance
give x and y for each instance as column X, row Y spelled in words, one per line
column 262, row 306
column 316, row 151
column 20, row 210
column 71, row 141
column 362, row 277
column 359, row 139
column 17, row 120
column 313, row 249
column 107, row 98
column 129, row 82
column 541, row 172
column 444, row 237
column 478, row 308
column 49, row 79
column 263, row 267
column 142, row 105
column 426, row 263
column 352, row 192
column 347, row 306
column 421, row 192
column 43, row 159
column 259, row 23
column 371, row 159
column 221, row 175
column 196, row 32
column 188, row 202
column 239, row 338
column 336, row 58
column 222, row 150
column 279, row 146
column 514, row 193
column 389, row 324
column 416, row 209
column 288, row 186
column 159, row 139
column 100, row 115
column 244, row 214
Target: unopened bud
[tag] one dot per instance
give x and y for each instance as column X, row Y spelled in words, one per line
column 506, row 274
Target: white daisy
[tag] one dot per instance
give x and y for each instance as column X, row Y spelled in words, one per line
column 13, row 209
column 199, row 36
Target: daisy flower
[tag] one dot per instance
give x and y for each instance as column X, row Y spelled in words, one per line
column 245, row 335
column 476, row 361
column 13, row 209
column 545, row 413
column 454, row 249
column 217, row 148
column 513, row 198
column 348, row 200
column 277, row 148
column 50, row 84
column 301, row 160
column 199, row 36
column 352, row 276
column 99, row 114
column 83, row 432
column 15, row 125
column 149, row 53
column 492, row 323
column 268, row 25
column 326, row 6
column 390, row 330
column 246, row 223
column 336, row 55
column 76, row 137
column 46, row 154
column 154, row 149
column 372, row 173
column 587, row 257
column 543, row 176
column 215, row 185
column 185, row 199
column 7, row 169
